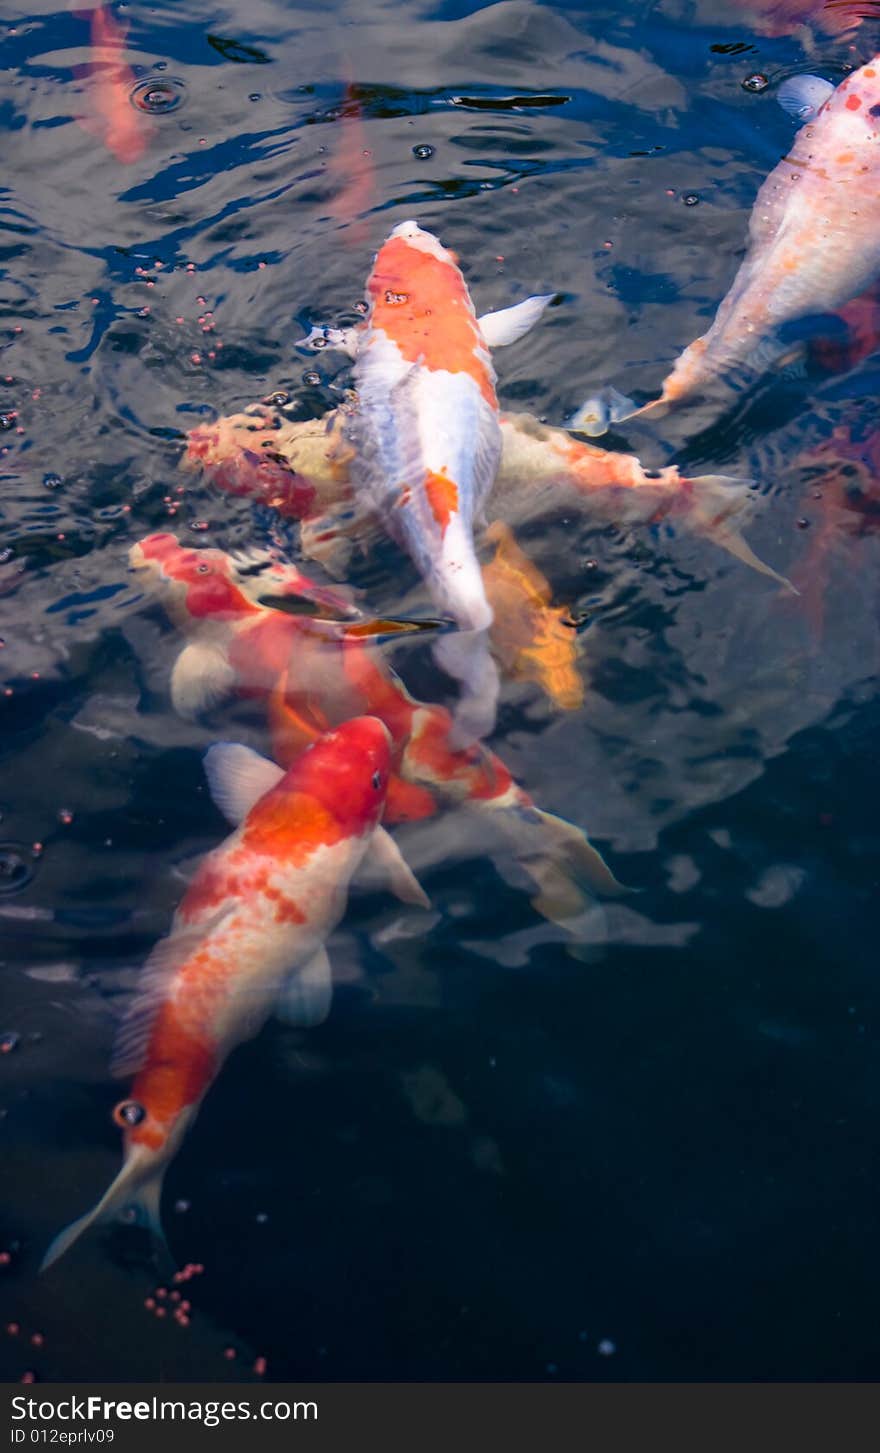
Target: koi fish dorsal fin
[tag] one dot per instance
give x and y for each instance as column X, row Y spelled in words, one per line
column 133, row 1037
column 804, row 96
column 238, row 777
column 305, row 997
column 508, row 325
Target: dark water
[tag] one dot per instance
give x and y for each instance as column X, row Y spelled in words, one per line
column 494, row 1160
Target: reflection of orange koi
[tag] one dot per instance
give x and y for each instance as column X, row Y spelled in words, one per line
column 352, row 170
column 113, row 120
column 784, row 17
column 845, row 495
column 533, row 640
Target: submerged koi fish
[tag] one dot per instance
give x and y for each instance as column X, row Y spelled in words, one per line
column 310, row 682
column 785, row 17
column 124, row 131
column 542, row 470
column 842, row 503
column 352, row 170
column 533, row 640
column 814, row 243
column 248, row 939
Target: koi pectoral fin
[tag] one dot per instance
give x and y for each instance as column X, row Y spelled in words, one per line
column 320, row 338
column 238, row 777
column 508, row 325
column 399, row 875
column 202, row 677
column 609, row 406
column 307, row 994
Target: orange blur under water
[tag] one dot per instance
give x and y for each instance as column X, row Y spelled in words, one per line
column 111, row 117
column 785, row 17
column 352, row 171
column 841, row 505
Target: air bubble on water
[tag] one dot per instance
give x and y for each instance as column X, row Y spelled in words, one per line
column 362, row 307
column 143, row 312
column 255, row 96
column 9, row 1041
column 756, row 83
column 394, row 300
column 181, row 1207
column 690, row 199
column 261, row 1218
column 277, row 399
column 157, row 97
column 7, row 421
column 803, row 523
column 311, row 378
column 423, row 152
column 606, row 1347
column 15, row 871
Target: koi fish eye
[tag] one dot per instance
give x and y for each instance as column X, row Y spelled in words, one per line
column 203, row 569
column 129, row 1113
column 377, row 780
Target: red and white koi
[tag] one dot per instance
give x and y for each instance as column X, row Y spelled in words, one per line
column 311, row 681
column 814, row 243
column 247, row 940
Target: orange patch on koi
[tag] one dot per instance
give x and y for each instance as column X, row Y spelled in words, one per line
column 442, row 497
column 421, row 302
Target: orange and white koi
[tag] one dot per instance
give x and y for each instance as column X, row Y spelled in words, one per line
column 311, row 681
column 247, row 940
column 542, row 469
column 814, row 243
column 124, row 131
column 427, row 439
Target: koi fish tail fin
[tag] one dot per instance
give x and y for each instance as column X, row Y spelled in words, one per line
column 555, row 840
column 716, row 500
column 567, row 872
column 597, row 414
column 465, row 656
column 137, row 1190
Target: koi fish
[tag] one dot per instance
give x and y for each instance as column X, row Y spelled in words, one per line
column 785, row 17
column 542, row 469
column 427, row 440
column 814, row 243
column 124, row 131
column 247, row 939
column 352, row 170
column 309, row 682
column 842, row 501
column 533, row 640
